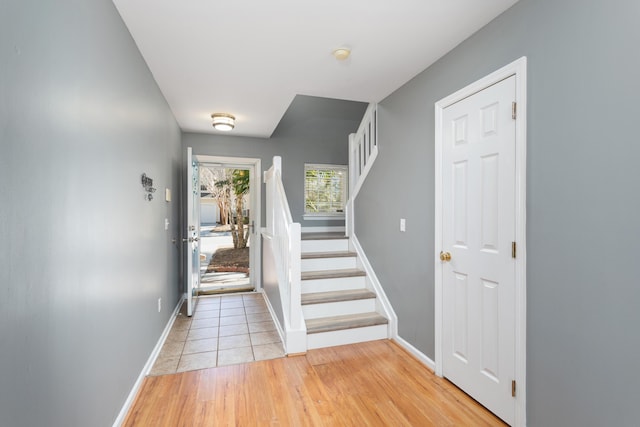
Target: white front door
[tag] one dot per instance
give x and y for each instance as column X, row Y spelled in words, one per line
column 478, row 228
column 193, row 231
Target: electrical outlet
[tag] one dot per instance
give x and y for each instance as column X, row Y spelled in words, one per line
column 403, row 224
column 166, row 224
column 159, row 304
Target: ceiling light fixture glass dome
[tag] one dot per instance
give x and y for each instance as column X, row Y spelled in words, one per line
column 342, row 53
column 223, row 121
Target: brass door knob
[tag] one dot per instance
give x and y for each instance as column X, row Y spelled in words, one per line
column 445, row 256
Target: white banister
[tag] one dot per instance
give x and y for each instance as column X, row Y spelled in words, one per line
column 286, row 245
column 363, row 150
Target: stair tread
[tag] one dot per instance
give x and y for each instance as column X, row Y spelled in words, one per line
column 323, row 236
column 319, row 255
column 336, row 296
column 338, row 323
column 332, row 274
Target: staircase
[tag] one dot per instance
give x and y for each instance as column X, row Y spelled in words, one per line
column 337, row 306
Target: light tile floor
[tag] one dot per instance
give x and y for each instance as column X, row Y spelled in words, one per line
column 224, row 330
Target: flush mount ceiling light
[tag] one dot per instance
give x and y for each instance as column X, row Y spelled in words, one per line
column 223, row 121
column 342, row 53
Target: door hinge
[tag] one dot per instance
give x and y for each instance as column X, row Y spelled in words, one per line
column 513, row 249
column 513, row 388
column 514, row 110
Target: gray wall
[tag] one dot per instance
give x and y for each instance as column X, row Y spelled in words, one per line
column 312, row 130
column 582, row 186
column 83, row 258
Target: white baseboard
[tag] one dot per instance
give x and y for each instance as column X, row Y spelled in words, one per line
column 293, row 341
column 325, row 229
column 381, row 296
column 415, row 352
column 276, row 321
column 147, row 367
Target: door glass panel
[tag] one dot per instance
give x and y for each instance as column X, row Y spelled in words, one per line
column 225, row 228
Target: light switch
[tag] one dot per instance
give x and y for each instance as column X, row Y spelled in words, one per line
column 403, row 224
column 167, row 194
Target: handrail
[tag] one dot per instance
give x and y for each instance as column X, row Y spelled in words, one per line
column 363, row 150
column 286, row 241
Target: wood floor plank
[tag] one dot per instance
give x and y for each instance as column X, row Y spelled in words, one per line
column 368, row 384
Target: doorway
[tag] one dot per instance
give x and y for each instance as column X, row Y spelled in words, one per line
column 225, row 228
column 223, row 232
column 480, row 296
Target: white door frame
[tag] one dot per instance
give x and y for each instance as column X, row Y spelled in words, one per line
column 255, row 186
column 193, row 234
column 519, row 69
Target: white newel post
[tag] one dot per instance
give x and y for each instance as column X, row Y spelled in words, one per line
column 294, row 266
column 277, row 164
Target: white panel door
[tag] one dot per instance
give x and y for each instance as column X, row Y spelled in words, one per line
column 193, row 231
column 478, row 228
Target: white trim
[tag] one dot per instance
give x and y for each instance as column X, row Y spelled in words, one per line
column 372, row 280
column 276, row 321
column 327, row 229
column 519, row 69
column 365, row 171
column 344, row 168
column 347, row 336
column 294, row 341
column 345, row 194
column 323, row 217
column 256, row 204
column 147, row 366
column 423, row 358
column 368, row 117
column 348, row 207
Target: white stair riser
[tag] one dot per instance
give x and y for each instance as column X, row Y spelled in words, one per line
column 329, row 285
column 338, row 263
column 331, row 245
column 347, row 336
column 341, row 308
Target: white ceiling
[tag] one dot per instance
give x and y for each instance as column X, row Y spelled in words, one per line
column 250, row 58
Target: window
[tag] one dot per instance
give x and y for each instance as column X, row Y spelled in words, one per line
column 325, row 191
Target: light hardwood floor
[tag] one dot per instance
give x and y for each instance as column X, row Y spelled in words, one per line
column 369, row 384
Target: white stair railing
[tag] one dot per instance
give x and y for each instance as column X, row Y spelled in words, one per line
column 363, row 150
column 284, row 236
